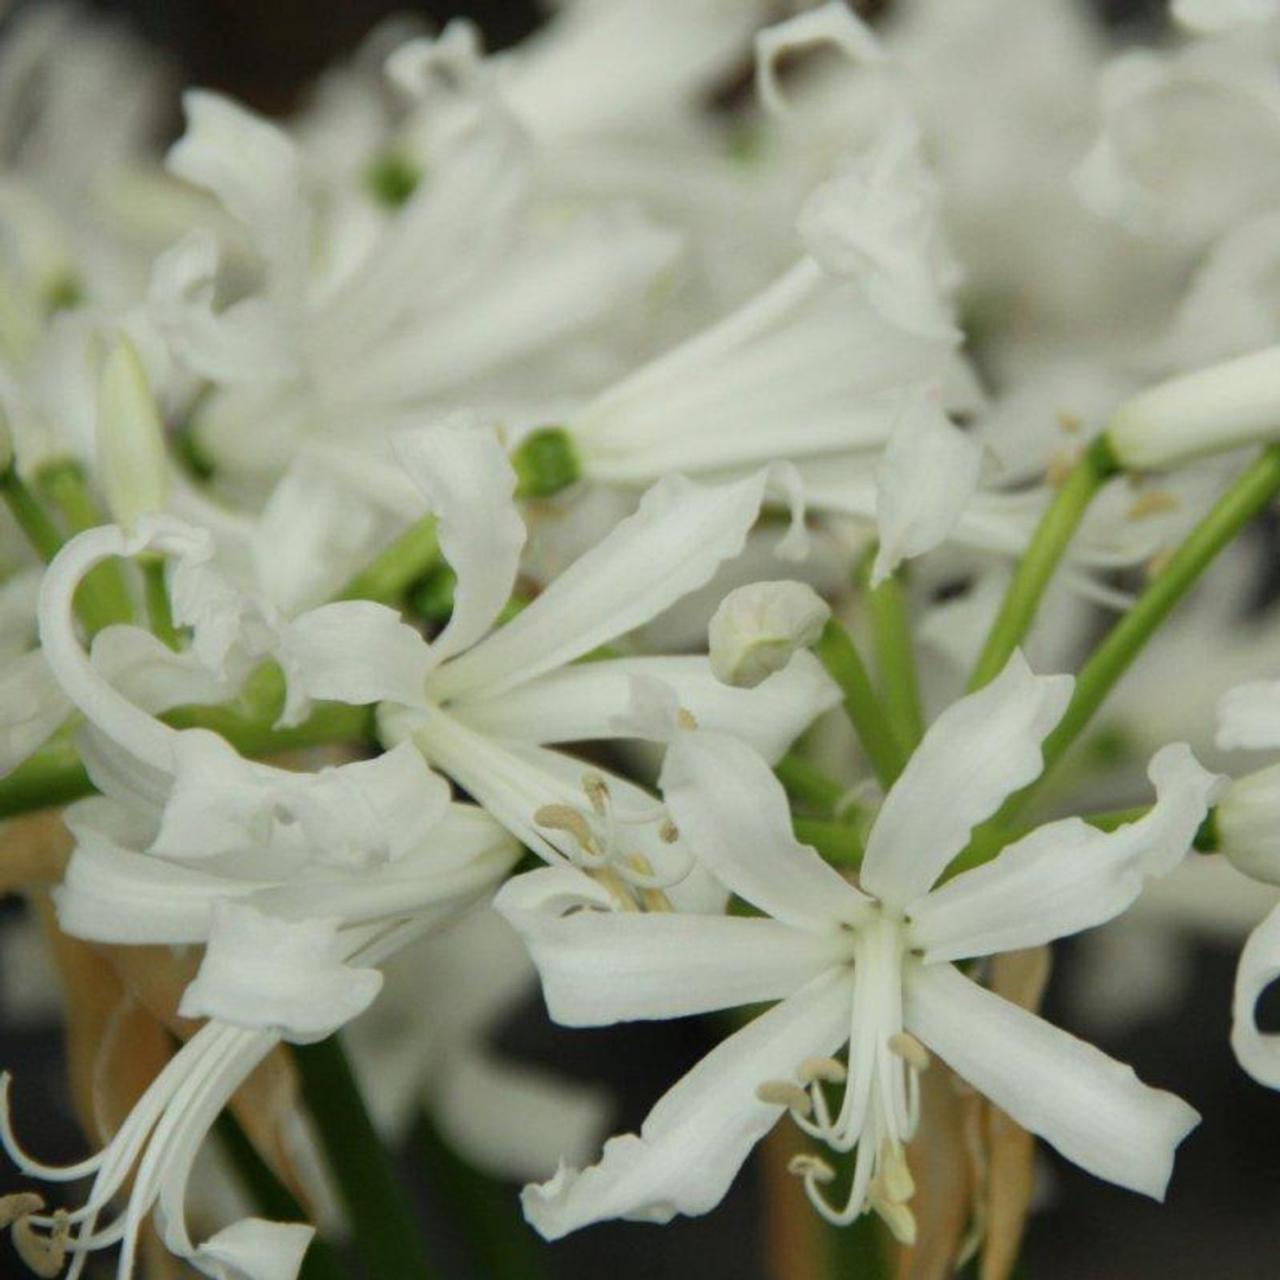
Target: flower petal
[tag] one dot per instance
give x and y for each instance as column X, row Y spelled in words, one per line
column 1066, row 876
column 696, row 1138
column 462, row 471
column 254, row 1249
column 602, row 967
column 1091, row 1108
column 680, row 535
column 1249, row 716
column 977, row 752
column 260, row 972
column 580, row 703
column 927, row 476
column 734, row 814
column 1258, row 1052
column 32, row 706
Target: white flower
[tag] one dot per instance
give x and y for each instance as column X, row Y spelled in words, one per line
column 1258, row 1052
column 485, row 704
column 1210, row 16
column 758, row 628
column 872, row 968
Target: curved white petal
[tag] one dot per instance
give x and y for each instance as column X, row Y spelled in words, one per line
column 602, row 967
column 463, row 472
column 1066, row 876
column 1091, row 1108
column 579, row 703
column 288, row 977
column 157, row 678
column 734, row 814
column 1249, row 716
column 356, row 651
column 32, row 706
column 1213, row 16
column 695, row 1139
column 927, row 476
column 681, row 533
column 254, row 1249
column 977, row 752
column 1258, row 1052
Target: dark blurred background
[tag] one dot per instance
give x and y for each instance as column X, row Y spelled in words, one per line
column 1222, row 1221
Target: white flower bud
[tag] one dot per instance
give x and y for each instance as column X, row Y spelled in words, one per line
column 131, row 452
column 758, row 627
column 1225, row 406
column 1248, row 824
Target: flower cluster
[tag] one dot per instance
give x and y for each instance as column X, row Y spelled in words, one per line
column 509, row 460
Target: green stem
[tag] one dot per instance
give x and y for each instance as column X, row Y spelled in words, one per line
column 857, row 1252
column 895, row 661
column 102, row 597
column 1116, row 818
column 395, row 570
column 837, row 842
column 863, row 707
column 29, row 515
column 808, row 787
column 159, row 609
column 1048, row 543
column 502, row 1245
column 273, row 1199
column 382, row 1220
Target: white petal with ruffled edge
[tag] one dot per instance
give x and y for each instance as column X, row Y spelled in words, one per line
column 978, row 751
column 263, row 973
column 696, row 1138
column 672, row 545
column 599, row 968
column 1066, row 876
column 734, row 813
column 1258, row 1052
column 1088, row 1106
column 462, row 470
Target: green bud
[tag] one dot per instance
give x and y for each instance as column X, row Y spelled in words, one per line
column 545, row 463
column 393, row 178
column 131, row 449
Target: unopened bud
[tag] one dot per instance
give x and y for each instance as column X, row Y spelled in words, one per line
column 131, row 452
column 758, row 627
column 545, row 463
column 1247, row 823
column 1225, row 406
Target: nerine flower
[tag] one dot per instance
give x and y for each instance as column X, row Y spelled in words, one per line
column 875, row 968
column 487, row 705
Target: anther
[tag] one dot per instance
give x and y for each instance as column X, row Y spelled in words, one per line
column 827, row 1069
column 597, row 790
column 564, row 817
column 909, row 1049
column 1153, row 502
column 894, row 1174
column 1069, row 423
column 782, row 1093
column 1156, row 565
column 810, row 1166
column 18, row 1205
column 43, row 1255
column 668, row 832
column 1061, row 464
column 686, row 719
column 896, row 1216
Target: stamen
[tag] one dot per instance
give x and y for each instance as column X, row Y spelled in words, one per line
column 668, row 832
column 1060, row 465
column 782, row 1093
column 20, row 1204
column 597, row 790
column 1151, row 503
column 894, row 1174
column 1069, row 423
column 1156, row 565
column 564, row 817
column 43, row 1255
column 896, row 1216
column 828, row 1069
column 910, row 1050
column 686, row 719
column 810, row 1166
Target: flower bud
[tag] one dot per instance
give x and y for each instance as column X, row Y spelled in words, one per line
column 544, row 463
column 758, row 627
column 1212, row 410
column 131, row 452
column 1247, row 822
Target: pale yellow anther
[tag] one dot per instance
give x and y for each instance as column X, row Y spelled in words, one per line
column 1069, row 423
column 1153, row 502
column 597, row 790
column 896, row 1216
column 909, row 1049
column 668, row 832
column 1061, row 464
column 564, row 817
column 1158, row 562
column 18, row 1205
column 43, row 1255
column 686, row 719
column 782, row 1093
column 830, row 1070
column 810, row 1166
column 894, row 1174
